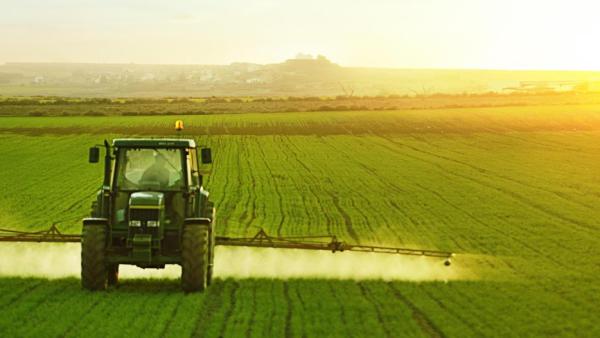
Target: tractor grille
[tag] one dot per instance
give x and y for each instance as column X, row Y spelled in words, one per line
column 143, row 214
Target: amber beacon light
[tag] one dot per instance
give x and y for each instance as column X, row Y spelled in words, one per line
column 179, row 125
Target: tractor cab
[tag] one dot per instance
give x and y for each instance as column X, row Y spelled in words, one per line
column 153, row 179
column 151, row 182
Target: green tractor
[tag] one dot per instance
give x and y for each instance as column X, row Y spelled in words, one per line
column 150, row 211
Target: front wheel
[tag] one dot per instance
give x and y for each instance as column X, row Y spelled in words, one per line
column 93, row 260
column 194, row 258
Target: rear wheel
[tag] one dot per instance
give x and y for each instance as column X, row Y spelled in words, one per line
column 113, row 274
column 93, row 260
column 194, row 258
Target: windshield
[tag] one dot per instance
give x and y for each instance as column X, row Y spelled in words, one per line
column 150, row 169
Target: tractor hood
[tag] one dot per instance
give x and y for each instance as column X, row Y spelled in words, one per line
column 146, row 216
column 146, row 209
column 146, row 200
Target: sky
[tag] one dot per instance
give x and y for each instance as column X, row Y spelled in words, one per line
column 479, row 34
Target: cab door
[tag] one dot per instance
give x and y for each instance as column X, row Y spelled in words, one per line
column 194, row 182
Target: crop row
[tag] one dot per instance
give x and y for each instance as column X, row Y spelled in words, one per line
column 294, row 308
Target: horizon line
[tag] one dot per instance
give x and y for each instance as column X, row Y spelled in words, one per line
column 5, row 63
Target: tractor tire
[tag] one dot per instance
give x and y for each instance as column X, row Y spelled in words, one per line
column 93, row 262
column 113, row 274
column 194, row 258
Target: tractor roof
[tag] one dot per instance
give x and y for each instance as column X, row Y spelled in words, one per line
column 153, row 143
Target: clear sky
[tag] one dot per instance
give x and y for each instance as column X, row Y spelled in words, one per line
column 499, row 34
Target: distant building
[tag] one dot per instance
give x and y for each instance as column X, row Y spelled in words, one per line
column 255, row 80
column 148, row 77
column 303, row 56
column 38, row 80
column 549, row 86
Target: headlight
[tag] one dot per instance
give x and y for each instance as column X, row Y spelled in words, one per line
column 135, row 223
column 153, row 224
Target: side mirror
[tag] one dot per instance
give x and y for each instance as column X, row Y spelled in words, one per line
column 205, row 156
column 94, row 155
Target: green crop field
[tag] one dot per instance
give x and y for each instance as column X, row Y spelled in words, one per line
column 514, row 191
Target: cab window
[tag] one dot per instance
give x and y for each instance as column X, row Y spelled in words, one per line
column 150, row 169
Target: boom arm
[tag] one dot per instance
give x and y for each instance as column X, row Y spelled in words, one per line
column 329, row 243
column 260, row 240
column 52, row 235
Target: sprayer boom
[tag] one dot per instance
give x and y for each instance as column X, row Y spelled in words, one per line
column 52, row 235
column 328, row 243
column 260, row 240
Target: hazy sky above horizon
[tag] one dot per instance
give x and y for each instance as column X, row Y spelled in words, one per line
column 493, row 34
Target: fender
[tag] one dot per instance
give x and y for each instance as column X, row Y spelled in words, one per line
column 99, row 221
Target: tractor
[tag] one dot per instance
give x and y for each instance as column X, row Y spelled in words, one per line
column 150, row 211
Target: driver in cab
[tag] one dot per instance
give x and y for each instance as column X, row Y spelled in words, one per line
column 158, row 172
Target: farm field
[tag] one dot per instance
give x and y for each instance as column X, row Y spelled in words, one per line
column 514, row 191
